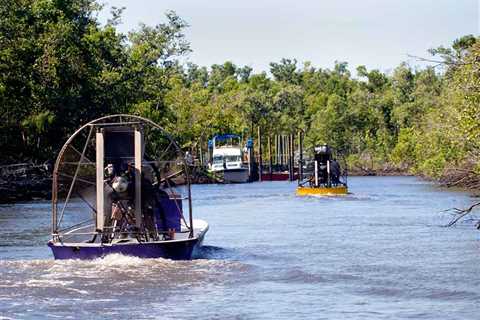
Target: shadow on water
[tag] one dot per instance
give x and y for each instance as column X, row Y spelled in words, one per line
column 213, row 252
column 243, row 255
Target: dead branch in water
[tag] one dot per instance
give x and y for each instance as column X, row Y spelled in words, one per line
column 460, row 213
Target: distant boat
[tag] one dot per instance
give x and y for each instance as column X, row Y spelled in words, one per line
column 227, row 159
column 120, row 170
column 323, row 175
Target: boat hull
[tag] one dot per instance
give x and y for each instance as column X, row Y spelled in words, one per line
column 236, row 176
column 174, row 249
column 322, row 191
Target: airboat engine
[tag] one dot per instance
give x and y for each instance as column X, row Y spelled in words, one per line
column 323, row 175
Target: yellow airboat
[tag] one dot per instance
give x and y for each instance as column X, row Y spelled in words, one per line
column 322, row 175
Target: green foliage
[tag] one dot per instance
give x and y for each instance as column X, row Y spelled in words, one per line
column 285, row 71
column 59, row 68
column 403, row 154
column 38, row 123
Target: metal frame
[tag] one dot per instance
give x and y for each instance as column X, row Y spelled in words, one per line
column 97, row 124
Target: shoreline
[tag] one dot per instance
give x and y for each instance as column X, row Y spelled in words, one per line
column 379, row 173
column 32, row 187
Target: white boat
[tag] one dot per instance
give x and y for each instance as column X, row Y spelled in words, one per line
column 227, row 159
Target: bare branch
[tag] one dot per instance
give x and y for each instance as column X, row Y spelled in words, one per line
column 438, row 62
column 460, row 213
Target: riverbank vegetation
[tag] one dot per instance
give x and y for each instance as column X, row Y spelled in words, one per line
column 59, row 68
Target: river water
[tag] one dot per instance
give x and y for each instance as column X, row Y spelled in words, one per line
column 379, row 253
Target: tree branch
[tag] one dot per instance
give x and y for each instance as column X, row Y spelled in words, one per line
column 438, row 62
column 460, row 213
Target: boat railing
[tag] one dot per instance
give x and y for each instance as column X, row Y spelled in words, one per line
column 127, row 234
column 135, row 233
column 77, row 226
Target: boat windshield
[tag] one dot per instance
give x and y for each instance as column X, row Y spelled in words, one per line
column 231, row 141
column 218, row 159
column 233, row 158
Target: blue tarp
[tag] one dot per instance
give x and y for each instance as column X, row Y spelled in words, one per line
column 250, row 143
column 222, row 137
column 167, row 215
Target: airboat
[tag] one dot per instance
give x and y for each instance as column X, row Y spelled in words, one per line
column 323, row 175
column 121, row 185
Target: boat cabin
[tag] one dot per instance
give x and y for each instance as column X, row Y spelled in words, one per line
column 227, row 158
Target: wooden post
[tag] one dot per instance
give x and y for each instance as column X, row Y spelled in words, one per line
column 292, row 156
column 270, row 163
column 280, row 150
column 260, row 164
column 289, row 162
column 287, row 150
column 250, row 163
column 276, row 149
column 280, row 157
column 287, row 153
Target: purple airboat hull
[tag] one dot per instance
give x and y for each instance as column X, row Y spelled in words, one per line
column 127, row 189
column 174, row 249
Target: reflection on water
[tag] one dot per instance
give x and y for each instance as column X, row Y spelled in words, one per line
column 379, row 253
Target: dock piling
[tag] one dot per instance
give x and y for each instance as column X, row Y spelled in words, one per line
column 270, row 162
column 260, row 164
column 289, row 154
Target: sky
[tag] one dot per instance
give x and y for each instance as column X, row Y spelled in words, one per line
column 379, row 34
